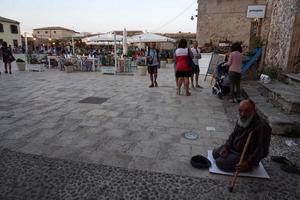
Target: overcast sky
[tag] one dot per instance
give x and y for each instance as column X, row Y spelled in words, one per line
column 103, row 15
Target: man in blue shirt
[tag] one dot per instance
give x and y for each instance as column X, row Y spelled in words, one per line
column 153, row 63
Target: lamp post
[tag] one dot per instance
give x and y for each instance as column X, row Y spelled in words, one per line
column 115, row 51
column 26, row 43
column 73, row 48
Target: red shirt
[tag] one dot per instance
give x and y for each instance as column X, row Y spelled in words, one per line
column 182, row 63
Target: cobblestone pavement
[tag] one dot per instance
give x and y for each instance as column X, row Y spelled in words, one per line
column 129, row 147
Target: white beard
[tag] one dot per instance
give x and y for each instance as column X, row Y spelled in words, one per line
column 244, row 123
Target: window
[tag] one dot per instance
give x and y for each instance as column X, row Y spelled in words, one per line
column 54, row 31
column 38, row 32
column 15, row 43
column 46, row 32
column 1, row 28
column 14, row 29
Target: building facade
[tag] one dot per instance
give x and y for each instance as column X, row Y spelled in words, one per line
column 227, row 20
column 54, row 32
column 10, row 32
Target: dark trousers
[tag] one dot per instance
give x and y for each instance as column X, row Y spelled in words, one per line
column 227, row 163
column 235, row 80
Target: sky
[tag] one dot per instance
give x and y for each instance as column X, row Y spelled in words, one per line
column 94, row 16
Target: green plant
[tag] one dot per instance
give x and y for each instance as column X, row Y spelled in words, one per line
column 255, row 42
column 141, row 61
column 68, row 63
column 273, row 71
column 20, row 60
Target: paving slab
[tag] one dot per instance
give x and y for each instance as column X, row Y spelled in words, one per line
column 138, row 130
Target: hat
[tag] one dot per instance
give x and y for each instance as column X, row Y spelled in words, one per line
column 200, row 162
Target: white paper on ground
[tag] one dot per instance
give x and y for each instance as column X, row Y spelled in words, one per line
column 258, row 172
column 210, row 128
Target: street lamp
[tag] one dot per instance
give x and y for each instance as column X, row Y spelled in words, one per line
column 193, row 17
column 26, row 45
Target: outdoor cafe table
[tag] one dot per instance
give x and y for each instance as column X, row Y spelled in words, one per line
column 53, row 58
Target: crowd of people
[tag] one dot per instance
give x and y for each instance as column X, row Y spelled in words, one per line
column 186, row 67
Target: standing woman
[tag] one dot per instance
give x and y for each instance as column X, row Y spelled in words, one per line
column 7, row 57
column 183, row 70
column 235, row 62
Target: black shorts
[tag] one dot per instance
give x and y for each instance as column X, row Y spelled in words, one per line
column 196, row 69
column 152, row 69
column 183, row 74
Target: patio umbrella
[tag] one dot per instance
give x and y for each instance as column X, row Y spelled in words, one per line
column 149, row 37
column 106, row 37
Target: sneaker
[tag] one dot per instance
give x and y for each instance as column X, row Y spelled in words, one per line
column 9, row 72
column 150, row 86
column 155, row 84
column 6, row 72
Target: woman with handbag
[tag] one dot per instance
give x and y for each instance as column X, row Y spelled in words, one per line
column 183, row 68
column 7, row 57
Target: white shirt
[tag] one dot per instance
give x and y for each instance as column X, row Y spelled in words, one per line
column 196, row 53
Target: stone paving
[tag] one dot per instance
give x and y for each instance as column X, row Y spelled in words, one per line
column 135, row 135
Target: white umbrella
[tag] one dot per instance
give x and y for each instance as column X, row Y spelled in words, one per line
column 149, row 37
column 107, row 37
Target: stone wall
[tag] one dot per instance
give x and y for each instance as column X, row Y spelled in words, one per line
column 280, row 35
column 226, row 20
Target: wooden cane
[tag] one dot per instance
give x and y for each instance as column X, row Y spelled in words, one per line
column 230, row 188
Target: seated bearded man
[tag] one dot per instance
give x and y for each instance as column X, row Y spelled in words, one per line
column 228, row 155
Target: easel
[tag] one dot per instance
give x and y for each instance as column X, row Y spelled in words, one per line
column 215, row 60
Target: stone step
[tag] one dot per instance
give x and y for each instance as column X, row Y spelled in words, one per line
column 281, row 123
column 284, row 96
column 293, row 79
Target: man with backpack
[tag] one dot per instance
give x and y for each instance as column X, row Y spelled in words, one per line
column 153, row 63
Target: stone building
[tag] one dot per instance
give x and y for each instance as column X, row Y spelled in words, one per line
column 53, row 32
column 226, row 20
column 10, row 32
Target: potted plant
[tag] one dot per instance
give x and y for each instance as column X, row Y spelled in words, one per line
column 141, row 65
column 21, row 64
column 34, row 64
column 170, row 57
column 68, row 65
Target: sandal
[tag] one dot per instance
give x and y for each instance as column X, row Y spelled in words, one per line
column 150, row 86
column 290, row 168
column 282, row 160
column 188, row 94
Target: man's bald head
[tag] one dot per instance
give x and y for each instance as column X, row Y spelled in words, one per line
column 246, row 109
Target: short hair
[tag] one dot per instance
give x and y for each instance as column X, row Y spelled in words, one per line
column 4, row 44
column 236, row 47
column 182, row 43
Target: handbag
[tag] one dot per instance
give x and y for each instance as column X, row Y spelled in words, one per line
column 11, row 58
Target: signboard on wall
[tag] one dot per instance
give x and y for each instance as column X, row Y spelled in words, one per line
column 256, row 11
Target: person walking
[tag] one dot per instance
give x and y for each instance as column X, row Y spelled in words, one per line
column 196, row 56
column 183, row 68
column 153, row 64
column 7, row 57
column 235, row 62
